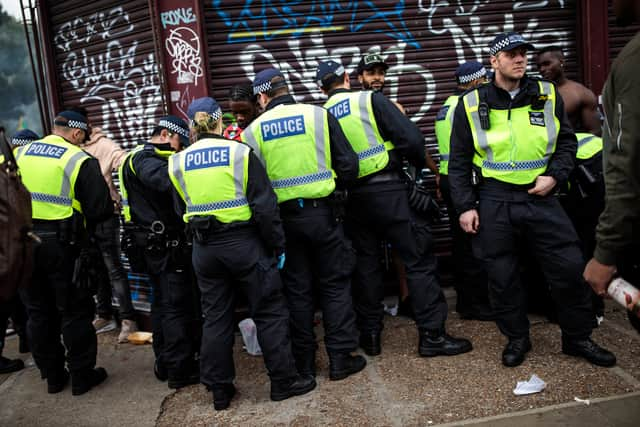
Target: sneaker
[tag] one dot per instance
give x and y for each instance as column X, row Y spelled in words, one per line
column 127, row 327
column 104, row 325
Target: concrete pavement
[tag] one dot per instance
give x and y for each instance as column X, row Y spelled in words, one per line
column 397, row 388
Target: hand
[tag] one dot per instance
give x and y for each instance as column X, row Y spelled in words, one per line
column 470, row 221
column 438, row 193
column 281, row 259
column 599, row 276
column 544, row 185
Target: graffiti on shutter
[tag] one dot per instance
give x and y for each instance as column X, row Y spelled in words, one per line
column 106, row 66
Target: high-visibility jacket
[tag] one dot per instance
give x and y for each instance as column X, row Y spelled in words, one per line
column 50, row 167
column 211, row 177
column 127, row 162
column 588, row 145
column 520, row 141
column 292, row 140
column 443, row 127
column 354, row 112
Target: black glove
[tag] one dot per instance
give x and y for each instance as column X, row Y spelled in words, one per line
column 421, row 201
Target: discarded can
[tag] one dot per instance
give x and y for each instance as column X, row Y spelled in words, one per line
column 625, row 294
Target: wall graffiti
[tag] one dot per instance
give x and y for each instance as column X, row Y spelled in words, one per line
column 303, row 69
column 183, row 47
column 182, row 15
column 124, row 83
column 268, row 19
column 294, row 42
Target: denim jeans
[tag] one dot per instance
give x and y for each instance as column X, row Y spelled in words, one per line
column 108, row 239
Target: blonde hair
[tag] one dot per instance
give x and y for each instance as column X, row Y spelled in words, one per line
column 204, row 123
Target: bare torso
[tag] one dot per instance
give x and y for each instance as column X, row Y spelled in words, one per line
column 581, row 106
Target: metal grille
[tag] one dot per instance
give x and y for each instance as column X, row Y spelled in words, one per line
column 423, row 42
column 105, row 62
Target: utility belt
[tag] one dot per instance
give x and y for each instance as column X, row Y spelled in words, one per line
column 64, row 230
column 295, row 206
column 156, row 240
column 383, row 177
column 497, row 190
column 203, row 227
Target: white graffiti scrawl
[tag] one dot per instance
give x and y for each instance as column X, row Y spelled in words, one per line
column 124, row 84
column 183, row 47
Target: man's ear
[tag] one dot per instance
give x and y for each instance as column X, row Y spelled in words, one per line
column 360, row 78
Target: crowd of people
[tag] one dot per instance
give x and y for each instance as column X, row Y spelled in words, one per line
column 289, row 205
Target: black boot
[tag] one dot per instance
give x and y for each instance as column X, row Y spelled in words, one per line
column 57, row 380
column 295, row 386
column 306, row 365
column 439, row 343
column 370, row 343
column 341, row 365
column 589, row 350
column 23, row 346
column 222, row 395
column 515, row 351
column 10, row 365
column 85, row 379
column 180, row 379
column 160, row 371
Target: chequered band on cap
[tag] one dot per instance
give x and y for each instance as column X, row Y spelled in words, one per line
column 20, row 141
column 216, row 115
column 467, row 78
column 264, row 87
column 174, row 128
column 77, row 125
column 505, row 41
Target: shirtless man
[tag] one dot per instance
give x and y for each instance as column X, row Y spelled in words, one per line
column 579, row 102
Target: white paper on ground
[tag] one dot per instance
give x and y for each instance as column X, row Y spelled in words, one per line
column 534, row 385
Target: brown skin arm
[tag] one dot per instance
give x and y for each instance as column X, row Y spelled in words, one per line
column 590, row 117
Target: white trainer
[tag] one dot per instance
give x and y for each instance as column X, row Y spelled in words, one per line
column 104, row 325
column 128, row 326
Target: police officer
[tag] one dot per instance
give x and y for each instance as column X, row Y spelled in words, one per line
column 148, row 207
column 232, row 211
column 472, row 300
column 515, row 133
column 378, row 208
column 304, row 149
column 23, row 137
column 67, row 190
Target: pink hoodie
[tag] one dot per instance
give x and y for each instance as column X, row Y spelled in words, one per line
column 109, row 154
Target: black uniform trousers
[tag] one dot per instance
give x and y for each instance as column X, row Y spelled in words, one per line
column 230, row 261
column 55, row 306
column 172, row 312
column 381, row 211
column 469, row 275
column 320, row 258
column 510, row 216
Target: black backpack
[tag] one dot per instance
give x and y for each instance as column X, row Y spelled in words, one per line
column 16, row 237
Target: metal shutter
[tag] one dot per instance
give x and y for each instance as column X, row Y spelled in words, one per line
column 104, row 61
column 423, row 43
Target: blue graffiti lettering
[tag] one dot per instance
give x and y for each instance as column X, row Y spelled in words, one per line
column 268, row 19
column 177, row 16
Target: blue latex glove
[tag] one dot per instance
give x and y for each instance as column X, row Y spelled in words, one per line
column 281, row 259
